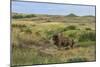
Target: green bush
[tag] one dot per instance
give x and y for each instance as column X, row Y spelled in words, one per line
column 29, row 16
column 81, row 24
column 88, row 29
column 26, row 30
column 18, row 25
column 18, row 16
column 49, row 34
column 87, row 36
column 72, row 35
column 48, row 21
column 71, row 27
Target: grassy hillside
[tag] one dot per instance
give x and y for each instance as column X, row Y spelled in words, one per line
column 54, row 18
column 32, row 39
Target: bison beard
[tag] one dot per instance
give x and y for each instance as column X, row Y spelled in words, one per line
column 61, row 41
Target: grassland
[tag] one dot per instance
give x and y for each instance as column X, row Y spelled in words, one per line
column 32, row 39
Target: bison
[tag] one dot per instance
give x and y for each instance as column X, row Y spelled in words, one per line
column 61, row 41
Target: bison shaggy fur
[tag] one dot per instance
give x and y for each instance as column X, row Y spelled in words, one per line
column 61, row 41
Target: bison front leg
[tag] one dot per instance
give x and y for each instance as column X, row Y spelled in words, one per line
column 72, row 45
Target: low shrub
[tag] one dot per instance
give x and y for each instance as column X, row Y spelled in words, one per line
column 82, row 24
column 72, row 35
column 28, row 30
column 48, row 21
column 18, row 25
column 29, row 16
column 71, row 27
column 88, row 29
column 18, row 16
column 77, row 59
column 87, row 36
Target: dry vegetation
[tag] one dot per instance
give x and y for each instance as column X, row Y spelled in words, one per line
column 32, row 39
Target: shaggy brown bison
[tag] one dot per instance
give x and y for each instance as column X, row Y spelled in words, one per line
column 61, row 41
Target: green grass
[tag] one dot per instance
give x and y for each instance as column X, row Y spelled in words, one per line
column 32, row 44
column 87, row 36
column 28, row 56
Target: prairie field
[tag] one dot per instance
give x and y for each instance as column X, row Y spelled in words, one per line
column 31, row 39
